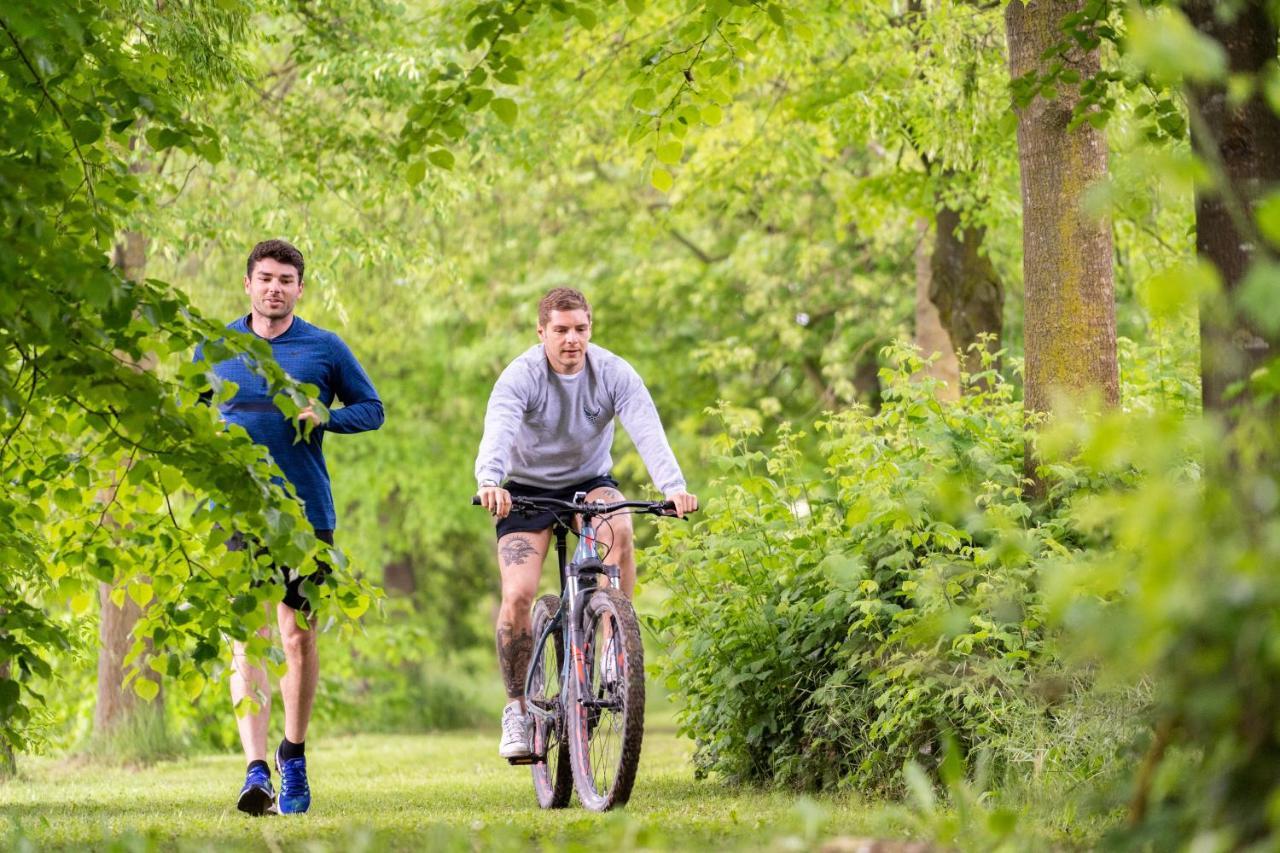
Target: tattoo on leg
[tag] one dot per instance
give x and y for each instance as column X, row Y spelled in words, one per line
column 514, row 651
column 611, row 495
column 516, row 550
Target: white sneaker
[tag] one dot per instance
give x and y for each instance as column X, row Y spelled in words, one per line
column 515, row 732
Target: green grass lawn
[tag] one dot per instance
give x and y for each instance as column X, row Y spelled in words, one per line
column 442, row 792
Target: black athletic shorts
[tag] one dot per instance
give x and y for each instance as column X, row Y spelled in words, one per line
column 292, row 587
column 517, row 523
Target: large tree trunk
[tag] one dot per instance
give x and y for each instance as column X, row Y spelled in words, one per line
column 116, row 704
column 1241, row 142
column 931, row 337
column 1070, row 324
column 964, row 287
column 8, row 761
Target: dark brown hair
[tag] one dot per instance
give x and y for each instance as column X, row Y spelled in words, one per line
column 562, row 299
column 276, row 250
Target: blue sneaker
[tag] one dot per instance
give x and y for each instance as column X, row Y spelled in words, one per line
column 295, row 794
column 257, row 796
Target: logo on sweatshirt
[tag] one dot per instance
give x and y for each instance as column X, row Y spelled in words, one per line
column 591, row 416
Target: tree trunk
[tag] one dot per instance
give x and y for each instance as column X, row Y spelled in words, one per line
column 117, row 704
column 931, row 337
column 1070, row 323
column 1241, row 143
column 398, row 576
column 965, row 287
column 8, row 761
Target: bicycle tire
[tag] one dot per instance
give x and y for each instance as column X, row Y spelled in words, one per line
column 552, row 777
column 604, row 742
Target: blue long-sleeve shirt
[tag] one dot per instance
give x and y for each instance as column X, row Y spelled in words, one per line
column 317, row 356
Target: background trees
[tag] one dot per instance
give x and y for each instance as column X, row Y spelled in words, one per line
column 760, row 200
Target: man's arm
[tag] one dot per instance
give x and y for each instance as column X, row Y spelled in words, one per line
column 361, row 407
column 502, row 418
column 640, row 419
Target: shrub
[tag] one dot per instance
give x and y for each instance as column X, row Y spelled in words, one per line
column 828, row 626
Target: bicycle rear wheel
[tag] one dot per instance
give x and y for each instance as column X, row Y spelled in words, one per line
column 606, row 707
column 552, row 778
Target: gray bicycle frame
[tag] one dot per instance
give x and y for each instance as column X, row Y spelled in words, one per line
column 571, row 599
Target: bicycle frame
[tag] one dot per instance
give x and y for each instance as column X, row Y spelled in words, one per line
column 571, row 601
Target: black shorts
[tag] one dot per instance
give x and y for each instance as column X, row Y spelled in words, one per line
column 517, row 523
column 293, row 596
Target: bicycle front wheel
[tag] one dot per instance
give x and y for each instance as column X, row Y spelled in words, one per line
column 606, row 708
column 552, row 779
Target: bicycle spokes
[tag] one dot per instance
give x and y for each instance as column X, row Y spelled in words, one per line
column 607, row 707
column 552, row 777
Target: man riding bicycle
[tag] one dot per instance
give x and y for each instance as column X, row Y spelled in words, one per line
column 548, row 431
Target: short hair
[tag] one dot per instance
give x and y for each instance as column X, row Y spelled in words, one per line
column 562, row 299
column 277, row 250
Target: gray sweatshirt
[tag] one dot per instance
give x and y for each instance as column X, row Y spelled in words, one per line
column 548, row 430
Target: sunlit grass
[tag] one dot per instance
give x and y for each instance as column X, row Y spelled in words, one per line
column 441, row 791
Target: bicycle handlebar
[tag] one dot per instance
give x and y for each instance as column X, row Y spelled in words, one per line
column 588, row 508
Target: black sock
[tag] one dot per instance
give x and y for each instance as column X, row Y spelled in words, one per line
column 289, row 749
column 261, row 765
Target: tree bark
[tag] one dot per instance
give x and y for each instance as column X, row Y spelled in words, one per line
column 1070, row 320
column 931, row 336
column 964, row 287
column 117, row 704
column 1241, row 143
column 8, row 761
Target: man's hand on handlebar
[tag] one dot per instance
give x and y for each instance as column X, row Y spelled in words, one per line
column 495, row 499
column 683, row 503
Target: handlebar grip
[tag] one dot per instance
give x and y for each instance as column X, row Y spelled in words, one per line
column 475, row 500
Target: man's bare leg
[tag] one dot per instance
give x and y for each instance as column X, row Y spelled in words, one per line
column 618, row 535
column 302, row 671
column 253, row 682
column 520, row 557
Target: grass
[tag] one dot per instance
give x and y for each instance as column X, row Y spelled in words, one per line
column 441, row 792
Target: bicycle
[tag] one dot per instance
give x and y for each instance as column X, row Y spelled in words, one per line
column 588, row 718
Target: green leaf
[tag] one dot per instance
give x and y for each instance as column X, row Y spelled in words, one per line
column 85, row 132
column 505, row 109
column 80, row 603
column 1166, row 45
column 415, row 173
column 669, row 152
column 146, row 688
column 141, row 593
column 775, row 14
column 477, row 98
column 712, row 115
column 442, row 157
column 642, row 98
column 1268, row 214
column 585, row 16
column 662, row 180
column 635, row 7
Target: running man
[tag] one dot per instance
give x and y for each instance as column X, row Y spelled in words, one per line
column 273, row 282
column 548, row 432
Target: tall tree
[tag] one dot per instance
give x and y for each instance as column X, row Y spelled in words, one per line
column 117, row 704
column 931, row 335
column 1070, row 323
column 1240, row 140
column 964, row 286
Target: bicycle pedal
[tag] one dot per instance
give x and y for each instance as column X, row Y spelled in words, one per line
column 523, row 760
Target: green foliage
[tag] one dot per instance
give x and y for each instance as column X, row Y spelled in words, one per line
column 827, row 626
column 121, row 475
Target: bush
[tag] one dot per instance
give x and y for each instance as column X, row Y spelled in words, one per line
column 829, row 626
